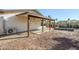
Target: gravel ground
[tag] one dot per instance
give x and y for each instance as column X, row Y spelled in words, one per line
column 55, row 40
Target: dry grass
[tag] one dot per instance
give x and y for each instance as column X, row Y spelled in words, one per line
column 45, row 41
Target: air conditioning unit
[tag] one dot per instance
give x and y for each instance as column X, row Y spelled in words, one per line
column 11, row 31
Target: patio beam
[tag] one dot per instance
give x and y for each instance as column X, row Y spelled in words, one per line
column 41, row 17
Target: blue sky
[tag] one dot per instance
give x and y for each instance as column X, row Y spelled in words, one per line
column 61, row 14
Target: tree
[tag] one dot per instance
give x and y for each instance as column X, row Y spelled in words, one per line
column 50, row 24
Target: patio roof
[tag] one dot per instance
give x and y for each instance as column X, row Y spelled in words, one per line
column 35, row 16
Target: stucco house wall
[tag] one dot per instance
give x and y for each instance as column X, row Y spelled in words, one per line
column 1, row 26
column 20, row 23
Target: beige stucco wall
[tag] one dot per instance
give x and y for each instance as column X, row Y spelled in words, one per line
column 20, row 23
column 1, row 26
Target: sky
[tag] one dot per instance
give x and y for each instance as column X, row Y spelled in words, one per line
column 61, row 14
column 62, row 9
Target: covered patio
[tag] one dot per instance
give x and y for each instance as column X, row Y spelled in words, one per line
column 43, row 18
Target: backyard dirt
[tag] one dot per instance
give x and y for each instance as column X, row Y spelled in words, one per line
column 53, row 40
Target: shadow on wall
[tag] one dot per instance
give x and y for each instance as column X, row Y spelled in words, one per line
column 66, row 44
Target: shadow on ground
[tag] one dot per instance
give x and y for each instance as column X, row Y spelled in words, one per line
column 66, row 44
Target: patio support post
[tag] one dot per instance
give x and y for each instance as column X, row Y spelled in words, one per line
column 28, row 30
column 49, row 24
column 54, row 24
column 42, row 25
